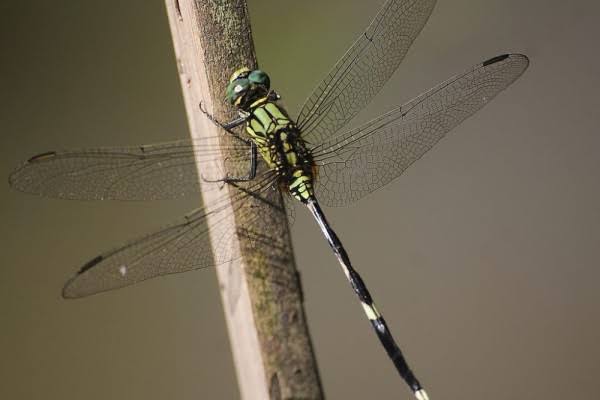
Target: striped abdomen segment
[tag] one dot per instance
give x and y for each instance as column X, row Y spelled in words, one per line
column 381, row 328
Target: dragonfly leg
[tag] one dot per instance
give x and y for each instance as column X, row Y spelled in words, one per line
column 228, row 127
column 251, row 174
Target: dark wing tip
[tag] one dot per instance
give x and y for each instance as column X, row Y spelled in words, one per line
column 42, row 156
column 67, row 292
column 17, row 178
column 496, row 59
column 90, row 264
column 503, row 57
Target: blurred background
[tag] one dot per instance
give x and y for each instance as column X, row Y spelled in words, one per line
column 483, row 256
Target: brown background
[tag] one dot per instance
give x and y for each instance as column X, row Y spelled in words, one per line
column 483, row 256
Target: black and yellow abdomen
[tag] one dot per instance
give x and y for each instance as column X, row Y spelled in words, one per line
column 279, row 142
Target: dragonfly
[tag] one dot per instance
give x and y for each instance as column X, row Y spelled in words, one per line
column 313, row 160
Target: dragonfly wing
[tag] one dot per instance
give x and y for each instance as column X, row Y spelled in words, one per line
column 358, row 162
column 183, row 246
column 149, row 172
column 290, row 204
column 364, row 69
column 179, row 247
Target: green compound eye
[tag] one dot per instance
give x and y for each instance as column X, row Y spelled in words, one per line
column 243, row 80
column 236, row 90
column 259, row 77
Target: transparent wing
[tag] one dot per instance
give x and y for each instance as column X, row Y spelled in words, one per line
column 149, row 172
column 364, row 69
column 290, row 205
column 180, row 247
column 364, row 159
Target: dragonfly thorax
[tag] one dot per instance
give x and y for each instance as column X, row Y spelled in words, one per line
column 280, row 144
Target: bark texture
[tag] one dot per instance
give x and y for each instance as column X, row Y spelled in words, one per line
column 261, row 292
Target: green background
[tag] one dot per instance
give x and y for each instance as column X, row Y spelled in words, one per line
column 483, row 256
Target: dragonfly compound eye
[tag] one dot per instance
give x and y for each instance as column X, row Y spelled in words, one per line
column 237, row 89
column 261, row 78
column 244, row 90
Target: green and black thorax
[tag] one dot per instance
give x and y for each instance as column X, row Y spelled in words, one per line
column 276, row 136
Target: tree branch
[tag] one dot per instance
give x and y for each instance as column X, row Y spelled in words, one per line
column 261, row 291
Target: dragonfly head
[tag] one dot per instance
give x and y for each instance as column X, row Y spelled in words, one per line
column 246, row 86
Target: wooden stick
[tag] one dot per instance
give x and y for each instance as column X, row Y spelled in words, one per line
column 261, row 292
